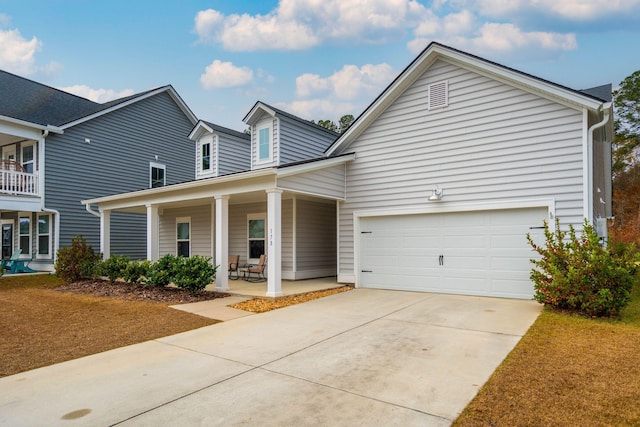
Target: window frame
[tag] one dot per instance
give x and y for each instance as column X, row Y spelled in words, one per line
column 254, row 217
column 183, row 220
column 48, row 234
column 268, row 127
column 158, row 166
column 31, row 162
column 27, row 215
column 202, row 156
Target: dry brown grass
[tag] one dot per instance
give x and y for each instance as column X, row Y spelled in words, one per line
column 567, row 370
column 41, row 326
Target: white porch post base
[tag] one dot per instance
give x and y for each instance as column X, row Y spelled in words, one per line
column 153, row 249
column 274, row 257
column 105, row 234
column 222, row 243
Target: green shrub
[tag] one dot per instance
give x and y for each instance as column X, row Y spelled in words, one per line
column 193, row 273
column 76, row 262
column 136, row 271
column 113, row 267
column 577, row 273
column 161, row 272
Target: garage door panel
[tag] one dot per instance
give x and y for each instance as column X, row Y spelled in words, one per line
column 483, row 252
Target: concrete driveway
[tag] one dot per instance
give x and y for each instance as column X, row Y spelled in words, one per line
column 365, row 357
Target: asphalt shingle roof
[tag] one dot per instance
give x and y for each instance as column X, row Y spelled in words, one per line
column 33, row 102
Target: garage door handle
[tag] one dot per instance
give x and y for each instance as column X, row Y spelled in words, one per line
column 366, row 271
column 441, row 260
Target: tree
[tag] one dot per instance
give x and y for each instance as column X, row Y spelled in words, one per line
column 343, row 124
column 626, row 167
column 626, row 100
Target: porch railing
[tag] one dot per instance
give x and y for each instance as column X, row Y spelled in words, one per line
column 18, row 183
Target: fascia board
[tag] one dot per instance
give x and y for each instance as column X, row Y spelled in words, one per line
column 251, row 118
column 116, row 107
column 522, row 81
column 24, row 123
column 186, row 187
column 309, row 167
column 198, row 130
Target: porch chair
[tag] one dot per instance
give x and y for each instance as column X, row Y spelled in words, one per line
column 6, row 263
column 19, row 265
column 257, row 270
column 233, row 267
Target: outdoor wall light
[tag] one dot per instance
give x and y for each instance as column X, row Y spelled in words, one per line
column 436, row 195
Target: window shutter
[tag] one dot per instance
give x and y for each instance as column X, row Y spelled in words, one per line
column 438, row 95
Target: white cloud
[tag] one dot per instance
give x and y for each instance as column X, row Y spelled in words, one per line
column 463, row 30
column 302, row 24
column 570, row 10
column 348, row 83
column 221, row 74
column 340, row 93
column 17, row 55
column 97, row 95
column 4, row 20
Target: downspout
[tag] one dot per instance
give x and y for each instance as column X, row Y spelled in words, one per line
column 606, row 107
column 56, row 214
column 91, row 211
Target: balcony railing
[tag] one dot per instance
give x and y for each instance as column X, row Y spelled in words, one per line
column 18, row 183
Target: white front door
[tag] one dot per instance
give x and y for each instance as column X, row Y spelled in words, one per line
column 472, row 253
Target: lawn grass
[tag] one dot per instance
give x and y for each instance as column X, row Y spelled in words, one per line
column 567, row 370
column 41, row 326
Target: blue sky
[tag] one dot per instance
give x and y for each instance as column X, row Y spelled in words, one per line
column 318, row 59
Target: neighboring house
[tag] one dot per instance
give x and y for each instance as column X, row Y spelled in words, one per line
column 433, row 188
column 57, row 149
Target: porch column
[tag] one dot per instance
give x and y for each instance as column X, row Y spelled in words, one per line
column 153, row 231
column 105, row 234
column 274, row 221
column 222, row 243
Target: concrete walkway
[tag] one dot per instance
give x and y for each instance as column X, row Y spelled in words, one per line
column 365, row 357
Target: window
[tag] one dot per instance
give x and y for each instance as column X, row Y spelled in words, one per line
column 157, row 175
column 44, row 236
column 438, row 95
column 256, row 226
column 28, row 158
column 264, row 145
column 206, row 156
column 183, row 236
column 24, row 228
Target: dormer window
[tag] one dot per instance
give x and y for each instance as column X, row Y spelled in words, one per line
column 206, row 157
column 264, row 144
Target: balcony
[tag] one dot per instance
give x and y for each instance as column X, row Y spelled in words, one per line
column 15, row 181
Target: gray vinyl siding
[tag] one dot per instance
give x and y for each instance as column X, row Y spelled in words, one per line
column 128, row 235
column 201, row 236
column 329, row 182
column 315, row 236
column 122, row 144
column 287, row 236
column 299, row 141
column 493, row 142
column 234, row 154
column 238, row 227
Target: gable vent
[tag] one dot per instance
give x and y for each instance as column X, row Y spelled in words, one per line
column 438, row 95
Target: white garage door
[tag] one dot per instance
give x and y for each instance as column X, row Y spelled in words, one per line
column 471, row 253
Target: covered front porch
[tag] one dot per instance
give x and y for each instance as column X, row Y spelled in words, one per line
column 246, row 215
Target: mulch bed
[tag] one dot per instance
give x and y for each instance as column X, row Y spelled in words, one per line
column 137, row 292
